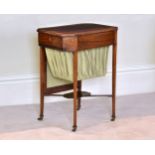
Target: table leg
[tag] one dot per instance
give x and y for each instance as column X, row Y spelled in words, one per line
column 114, row 55
column 79, row 98
column 75, row 86
column 42, row 81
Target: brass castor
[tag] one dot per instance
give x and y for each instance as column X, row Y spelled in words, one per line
column 113, row 118
column 74, row 128
column 40, row 118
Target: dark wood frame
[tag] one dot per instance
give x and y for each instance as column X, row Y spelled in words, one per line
column 72, row 39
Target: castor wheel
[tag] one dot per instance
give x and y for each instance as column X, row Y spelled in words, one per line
column 74, row 128
column 40, row 118
column 113, row 118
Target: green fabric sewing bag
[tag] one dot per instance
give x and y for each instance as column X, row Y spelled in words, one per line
column 91, row 63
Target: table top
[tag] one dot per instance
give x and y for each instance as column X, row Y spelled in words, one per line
column 76, row 29
column 77, row 37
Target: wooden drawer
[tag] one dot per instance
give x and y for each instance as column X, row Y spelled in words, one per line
column 80, row 42
column 95, row 40
column 49, row 40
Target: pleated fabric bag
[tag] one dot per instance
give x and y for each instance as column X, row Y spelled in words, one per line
column 91, row 63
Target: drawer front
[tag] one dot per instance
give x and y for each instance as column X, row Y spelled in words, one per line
column 95, row 40
column 51, row 41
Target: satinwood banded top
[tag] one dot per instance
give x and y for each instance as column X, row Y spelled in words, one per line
column 76, row 29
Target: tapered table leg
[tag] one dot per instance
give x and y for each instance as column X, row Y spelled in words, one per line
column 75, row 88
column 114, row 55
column 42, row 81
column 79, row 98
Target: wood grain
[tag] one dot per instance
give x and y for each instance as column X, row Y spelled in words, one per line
column 95, row 40
column 76, row 37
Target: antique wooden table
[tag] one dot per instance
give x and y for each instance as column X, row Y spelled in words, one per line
column 73, row 38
